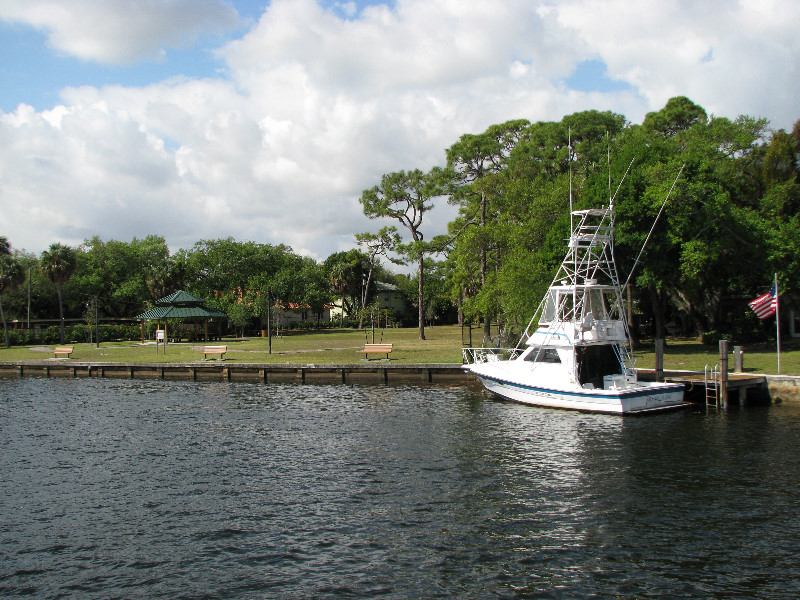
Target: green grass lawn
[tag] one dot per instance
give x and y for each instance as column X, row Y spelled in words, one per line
column 343, row 346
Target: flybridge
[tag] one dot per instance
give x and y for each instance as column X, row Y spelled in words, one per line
column 584, row 303
column 586, row 288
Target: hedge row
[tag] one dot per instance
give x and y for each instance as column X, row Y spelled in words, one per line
column 73, row 334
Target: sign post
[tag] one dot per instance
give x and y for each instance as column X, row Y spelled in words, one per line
column 161, row 338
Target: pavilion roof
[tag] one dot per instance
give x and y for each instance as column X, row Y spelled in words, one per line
column 179, row 297
column 180, row 305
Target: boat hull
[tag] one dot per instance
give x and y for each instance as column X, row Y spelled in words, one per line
column 645, row 398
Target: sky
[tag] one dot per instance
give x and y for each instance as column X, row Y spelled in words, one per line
column 264, row 121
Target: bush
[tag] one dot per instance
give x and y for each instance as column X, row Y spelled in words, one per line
column 21, row 337
column 712, row 337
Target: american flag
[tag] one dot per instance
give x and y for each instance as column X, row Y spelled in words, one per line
column 766, row 305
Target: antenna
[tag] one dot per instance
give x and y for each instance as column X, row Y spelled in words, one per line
column 569, row 147
column 608, row 162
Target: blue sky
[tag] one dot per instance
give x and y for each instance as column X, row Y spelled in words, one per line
column 264, row 121
column 37, row 73
column 33, row 72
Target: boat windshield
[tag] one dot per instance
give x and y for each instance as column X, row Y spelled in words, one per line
column 549, row 310
column 595, row 304
column 549, row 355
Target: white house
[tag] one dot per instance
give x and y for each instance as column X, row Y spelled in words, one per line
column 387, row 297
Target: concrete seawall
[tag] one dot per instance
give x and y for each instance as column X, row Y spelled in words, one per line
column 783, row 388
column 220, row 370
column 778, row 388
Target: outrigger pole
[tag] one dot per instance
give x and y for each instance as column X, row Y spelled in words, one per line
column 663, row 204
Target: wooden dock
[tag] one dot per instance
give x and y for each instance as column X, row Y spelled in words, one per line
column 699, row 382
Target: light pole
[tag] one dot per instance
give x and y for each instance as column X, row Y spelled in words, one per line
column 29, row 299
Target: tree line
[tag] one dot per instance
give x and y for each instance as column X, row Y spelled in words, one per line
column 732, row 221
column 122, row 279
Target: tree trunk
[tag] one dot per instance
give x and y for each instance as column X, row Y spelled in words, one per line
column 3, row 317
column 60, row 315
column 487, row 318
column 657, row 305
column 364, row 294
column 421, row 300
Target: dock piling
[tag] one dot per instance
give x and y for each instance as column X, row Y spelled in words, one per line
column 738, row 359
column 723, row 372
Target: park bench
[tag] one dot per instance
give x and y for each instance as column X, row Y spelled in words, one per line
column 377, row 349
column 62, row 350
column 221, row 350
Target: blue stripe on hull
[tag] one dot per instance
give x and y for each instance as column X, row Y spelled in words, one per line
column 586, row 394
column 587, row 400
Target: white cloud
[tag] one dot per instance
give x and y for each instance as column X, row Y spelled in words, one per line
column 314, row 108
column 730, row 57
column 121, row 31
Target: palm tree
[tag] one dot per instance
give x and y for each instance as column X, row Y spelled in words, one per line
column 58, row 263
column 339, row 283
column 11, row 277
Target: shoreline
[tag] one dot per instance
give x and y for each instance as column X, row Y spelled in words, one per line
column 777, row 388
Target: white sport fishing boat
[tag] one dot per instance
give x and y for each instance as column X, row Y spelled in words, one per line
column 578, row 357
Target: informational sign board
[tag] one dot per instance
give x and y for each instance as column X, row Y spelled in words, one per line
column 160, row 335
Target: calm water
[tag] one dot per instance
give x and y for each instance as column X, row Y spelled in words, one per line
column 136, row 489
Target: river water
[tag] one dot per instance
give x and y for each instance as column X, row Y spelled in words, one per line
column 142, row 489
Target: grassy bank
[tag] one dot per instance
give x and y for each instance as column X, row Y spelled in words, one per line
column 343, row 347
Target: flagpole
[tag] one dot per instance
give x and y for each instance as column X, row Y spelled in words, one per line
column 778, row 321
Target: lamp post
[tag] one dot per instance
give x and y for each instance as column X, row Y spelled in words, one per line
column 29, row 299
column 96, row 325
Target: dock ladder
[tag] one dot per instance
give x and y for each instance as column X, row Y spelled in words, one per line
column 711, row 381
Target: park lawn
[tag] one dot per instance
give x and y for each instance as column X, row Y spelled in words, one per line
column 343, row 346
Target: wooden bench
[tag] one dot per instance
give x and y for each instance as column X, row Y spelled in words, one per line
column 377, row 349
column 62, row 350
column 221, row 350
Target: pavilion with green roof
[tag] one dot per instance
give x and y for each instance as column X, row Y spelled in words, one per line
column 181, row 305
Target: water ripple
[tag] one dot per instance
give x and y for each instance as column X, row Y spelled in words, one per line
column 140, row 489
